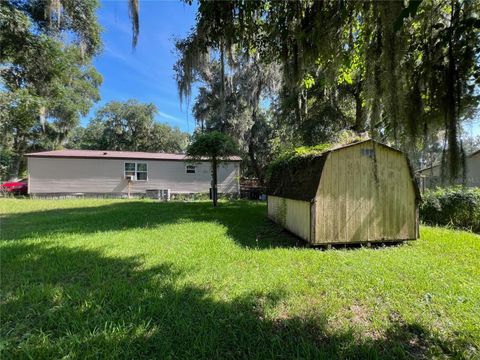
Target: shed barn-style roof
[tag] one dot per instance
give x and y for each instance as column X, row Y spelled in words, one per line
column 108, row 154
column 300, row 179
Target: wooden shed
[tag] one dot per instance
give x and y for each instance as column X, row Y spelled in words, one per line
column 359, row 193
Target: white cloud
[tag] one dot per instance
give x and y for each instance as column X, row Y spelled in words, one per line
column 169, row 117
column 146, row 73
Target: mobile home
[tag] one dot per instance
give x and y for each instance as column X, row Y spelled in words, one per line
column 122, row 172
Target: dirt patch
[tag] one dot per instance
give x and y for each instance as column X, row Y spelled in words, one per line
column 359, row 315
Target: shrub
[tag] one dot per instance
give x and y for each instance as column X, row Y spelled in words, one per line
column 456, row 206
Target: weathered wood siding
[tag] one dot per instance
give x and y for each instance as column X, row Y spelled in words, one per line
column 57, row 175
column 364, row 198
column 294, row 215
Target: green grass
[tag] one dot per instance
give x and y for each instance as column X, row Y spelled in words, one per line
column 89, row 279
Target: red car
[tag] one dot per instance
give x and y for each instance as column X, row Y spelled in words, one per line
column 16, row 187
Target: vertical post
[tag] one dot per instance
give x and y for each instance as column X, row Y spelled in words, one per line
column 214, row 181
column 129, row 181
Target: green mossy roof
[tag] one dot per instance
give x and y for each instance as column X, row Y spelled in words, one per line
column 296, row 175
column 298, row 178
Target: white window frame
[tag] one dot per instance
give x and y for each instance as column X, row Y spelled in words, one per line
column 134, row 178
column 194, row 169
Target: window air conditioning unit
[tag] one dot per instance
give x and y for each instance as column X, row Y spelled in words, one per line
column 158, row 194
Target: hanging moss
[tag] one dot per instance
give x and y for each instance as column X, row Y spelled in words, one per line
column 407, row 50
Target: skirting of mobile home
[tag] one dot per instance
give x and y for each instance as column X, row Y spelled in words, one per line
column 360, row 193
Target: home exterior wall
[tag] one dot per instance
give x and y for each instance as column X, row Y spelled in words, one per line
column 473, row 170
column 83, row 175
column 365, row 198
column 431, row 177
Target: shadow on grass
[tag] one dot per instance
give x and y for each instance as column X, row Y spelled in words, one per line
column 62, row 302
column 246, row 222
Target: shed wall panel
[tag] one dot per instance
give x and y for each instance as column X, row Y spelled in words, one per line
column 294, row 215
column 364, row 197
column 56, row 175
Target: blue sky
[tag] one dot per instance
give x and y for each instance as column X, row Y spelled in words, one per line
column 146, row 73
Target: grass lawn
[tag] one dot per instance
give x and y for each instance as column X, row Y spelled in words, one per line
column 89, row 279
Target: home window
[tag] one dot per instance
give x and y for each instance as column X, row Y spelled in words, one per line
column 190, row 169
column 136, row 171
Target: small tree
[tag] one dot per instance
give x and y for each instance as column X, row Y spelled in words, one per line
column 216, row 147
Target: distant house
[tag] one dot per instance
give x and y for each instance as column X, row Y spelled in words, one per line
column 431, row 176
column 122, row 172
column 359, row 193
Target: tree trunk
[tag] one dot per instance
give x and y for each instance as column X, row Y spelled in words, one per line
column 256, row 168
column 451, row 114
column 359, row 125
column 253, row 129
column 15, row 167
column 251, row 150
column 451, row 121
column 214, row 181
column 19, row 146
column 222, row 87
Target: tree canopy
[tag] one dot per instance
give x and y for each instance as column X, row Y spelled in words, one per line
column 47, row 80
column 247, row 84
column 128, row 126
column 212, row 145
column 399, row 70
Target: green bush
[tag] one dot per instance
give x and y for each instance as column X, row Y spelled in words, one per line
column 456, row 206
